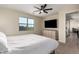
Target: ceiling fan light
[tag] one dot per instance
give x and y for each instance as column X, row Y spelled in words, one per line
column 41, row 10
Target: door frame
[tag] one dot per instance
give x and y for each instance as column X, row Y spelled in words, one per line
column 65, row 19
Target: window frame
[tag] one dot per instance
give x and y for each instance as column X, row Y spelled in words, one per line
column 27, row 24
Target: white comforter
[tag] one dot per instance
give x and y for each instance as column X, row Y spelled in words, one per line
column 31, row 44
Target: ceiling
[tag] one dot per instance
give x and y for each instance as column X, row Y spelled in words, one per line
column 29, row 8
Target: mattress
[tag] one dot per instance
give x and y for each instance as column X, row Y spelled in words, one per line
column 30, row 44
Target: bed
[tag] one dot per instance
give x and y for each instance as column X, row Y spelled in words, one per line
column 30, row 44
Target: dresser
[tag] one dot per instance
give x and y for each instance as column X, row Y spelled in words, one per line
column 51, row 34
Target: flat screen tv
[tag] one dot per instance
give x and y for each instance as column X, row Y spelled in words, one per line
column 51, row 23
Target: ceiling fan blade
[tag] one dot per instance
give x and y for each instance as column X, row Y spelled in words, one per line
column 44, row 5
column 36, row 7
column 45, row 11
column 49, row 9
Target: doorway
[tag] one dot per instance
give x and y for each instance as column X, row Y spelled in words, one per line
column 72, row 29
column 72, row 24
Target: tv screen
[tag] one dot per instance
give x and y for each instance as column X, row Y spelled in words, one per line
column 51, row 23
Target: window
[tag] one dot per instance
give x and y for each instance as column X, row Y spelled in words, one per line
column 30, row 24
column 26, row 24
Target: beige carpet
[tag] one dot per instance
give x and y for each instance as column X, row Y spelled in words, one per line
column 71, row 46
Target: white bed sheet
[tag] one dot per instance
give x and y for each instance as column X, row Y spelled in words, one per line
column 31, row 44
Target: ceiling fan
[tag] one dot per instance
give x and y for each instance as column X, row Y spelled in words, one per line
column 42, row 9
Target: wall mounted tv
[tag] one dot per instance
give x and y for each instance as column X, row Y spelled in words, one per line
column 51, row 23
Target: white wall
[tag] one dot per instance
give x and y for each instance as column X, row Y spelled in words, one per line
column 9, row 22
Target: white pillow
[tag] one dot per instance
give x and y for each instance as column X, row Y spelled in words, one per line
column 3, row 43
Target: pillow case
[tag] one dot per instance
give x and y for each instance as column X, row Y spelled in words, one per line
column 3, row 43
